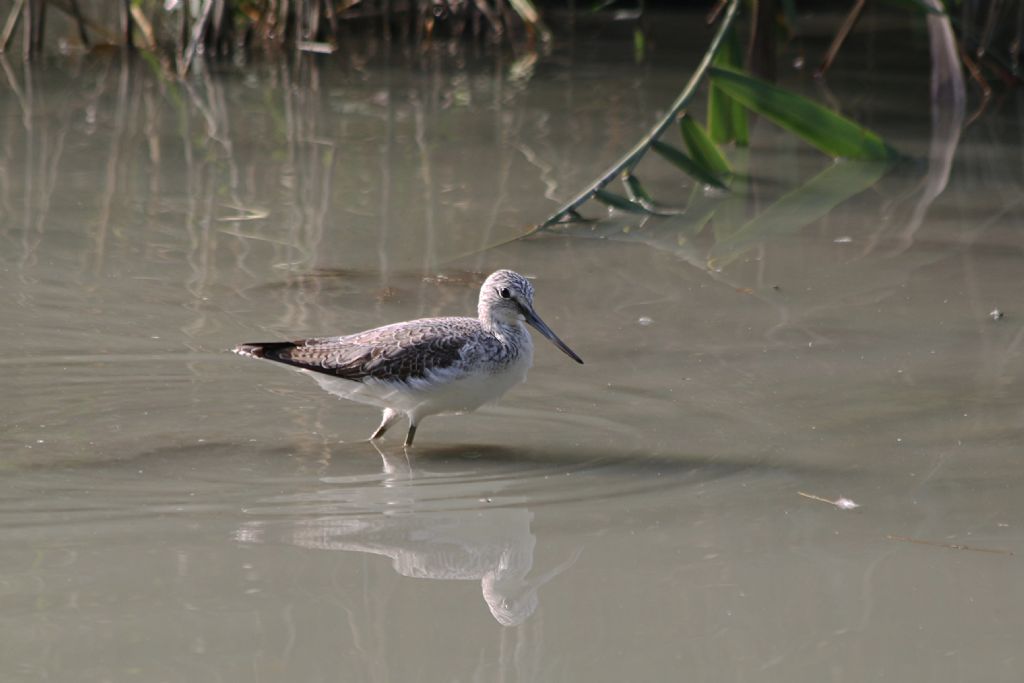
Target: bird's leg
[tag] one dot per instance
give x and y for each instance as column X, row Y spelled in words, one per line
column 389, row 419
column 411, row 434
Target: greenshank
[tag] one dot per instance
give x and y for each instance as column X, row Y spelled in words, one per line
column 430, row 366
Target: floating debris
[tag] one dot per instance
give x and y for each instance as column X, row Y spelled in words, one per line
column 840, row 503
column 244, row 213
column 996, row 314
column 317, row 47
column 950, row 546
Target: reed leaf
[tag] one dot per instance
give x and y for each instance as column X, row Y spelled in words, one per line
column 617, row 201
column 701, row 148
column 628, row 161
column 678, row 158
column 727, row 120
column 635, row 189
column 638, row 194
column 830, row 132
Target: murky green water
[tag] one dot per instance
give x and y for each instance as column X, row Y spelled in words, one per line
column 171, row 512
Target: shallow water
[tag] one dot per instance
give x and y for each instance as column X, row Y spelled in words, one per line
column 171, row 512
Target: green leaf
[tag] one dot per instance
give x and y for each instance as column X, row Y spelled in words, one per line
column 617, row 201
column 635, row 190
column 639, row 43
column 702, row 149
column 799, row 208
column 677, row 157
column 727, row 120
column 830, row 132
column 640, row 196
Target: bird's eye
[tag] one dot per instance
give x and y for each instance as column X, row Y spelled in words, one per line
column 505, row 294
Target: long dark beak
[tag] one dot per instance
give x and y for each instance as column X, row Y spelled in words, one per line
column 542, row 327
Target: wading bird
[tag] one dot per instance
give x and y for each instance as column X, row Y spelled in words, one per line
column 429, row 366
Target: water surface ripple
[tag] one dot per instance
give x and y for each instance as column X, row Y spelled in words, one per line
column 171, row 512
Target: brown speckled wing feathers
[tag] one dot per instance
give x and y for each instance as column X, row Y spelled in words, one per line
column 399, row 352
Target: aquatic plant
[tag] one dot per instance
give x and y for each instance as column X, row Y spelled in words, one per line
column 181, row 29
column 715, row 157
column 733, row 93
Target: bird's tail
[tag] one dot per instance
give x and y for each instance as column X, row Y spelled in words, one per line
column 268, row 350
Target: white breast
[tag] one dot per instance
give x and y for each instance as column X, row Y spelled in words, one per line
column 451, row 391
column 441, row 394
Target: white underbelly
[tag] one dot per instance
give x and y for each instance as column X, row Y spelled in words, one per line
column 438, row 394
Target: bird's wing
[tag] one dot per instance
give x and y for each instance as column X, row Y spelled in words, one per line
column 400, row 352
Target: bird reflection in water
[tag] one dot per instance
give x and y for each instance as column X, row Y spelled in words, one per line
column 404, row 520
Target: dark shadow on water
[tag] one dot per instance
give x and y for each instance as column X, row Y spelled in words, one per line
column 237, row 458
column 636, row 461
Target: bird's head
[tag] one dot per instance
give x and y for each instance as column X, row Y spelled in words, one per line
column 506, row 298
